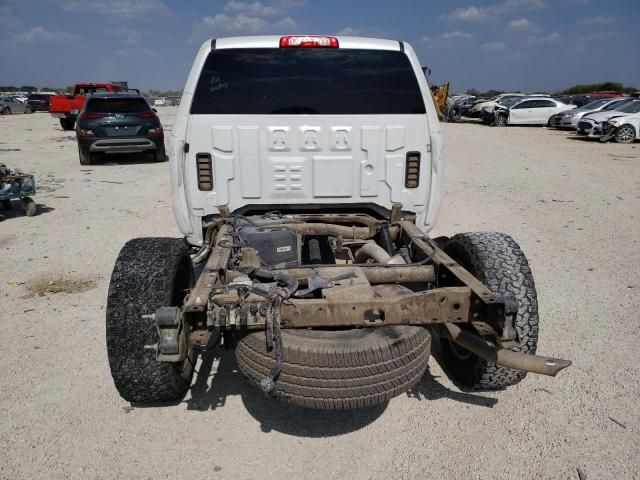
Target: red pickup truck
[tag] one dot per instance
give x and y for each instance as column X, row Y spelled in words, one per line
column 66, row 107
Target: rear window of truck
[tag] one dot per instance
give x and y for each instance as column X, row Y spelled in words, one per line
column 117, row 105
column 85, row 90
column 320, row 81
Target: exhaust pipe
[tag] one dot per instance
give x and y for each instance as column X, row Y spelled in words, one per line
column 505, row 358
column 379, row 254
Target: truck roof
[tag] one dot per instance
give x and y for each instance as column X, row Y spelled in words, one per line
column 119, row 94
column 94, row 84
column 273, row 41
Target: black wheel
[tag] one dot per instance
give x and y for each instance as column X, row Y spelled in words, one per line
column 85, row 156
column 625, row 134
column 6, row 204
column 29, row 206
column 28, row 110
column 497, row 261
column 453, row 115
column 500, row 120
column 67, row 123
column 160, row 155
column 340, row 369
column 149, row 273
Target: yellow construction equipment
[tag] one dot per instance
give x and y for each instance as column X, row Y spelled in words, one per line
column 440, row 94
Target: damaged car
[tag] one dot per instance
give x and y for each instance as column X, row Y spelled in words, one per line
column 569, row 119
column 475, row 111
column 528, row 111
column 624, row 129
column 591, row 126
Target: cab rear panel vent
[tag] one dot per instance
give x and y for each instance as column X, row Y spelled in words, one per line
column 205, row 172
column 412, row 170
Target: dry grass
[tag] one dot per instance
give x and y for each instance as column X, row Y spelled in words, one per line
column 60, row 284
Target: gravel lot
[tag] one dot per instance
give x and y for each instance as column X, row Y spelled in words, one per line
column 573, row 206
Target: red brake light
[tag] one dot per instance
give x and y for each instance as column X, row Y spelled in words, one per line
column 308, row 41
column 146, row 115
column 91, row 116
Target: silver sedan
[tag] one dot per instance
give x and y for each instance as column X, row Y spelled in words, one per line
column 8, row 106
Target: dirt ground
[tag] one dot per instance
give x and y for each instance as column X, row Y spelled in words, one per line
column 574, row 207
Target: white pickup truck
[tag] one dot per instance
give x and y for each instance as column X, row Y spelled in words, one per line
column 306, row 172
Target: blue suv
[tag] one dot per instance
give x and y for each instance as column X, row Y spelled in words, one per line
column 118, row 122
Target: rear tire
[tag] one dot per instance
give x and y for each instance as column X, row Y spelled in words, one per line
column 160, row 155
column 342, row 369
column 85, row 156
column 149, row 273
column 67, row 124
column 625, row 134
column 497, row 261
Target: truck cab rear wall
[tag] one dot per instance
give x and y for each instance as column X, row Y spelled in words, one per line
column 308, row 151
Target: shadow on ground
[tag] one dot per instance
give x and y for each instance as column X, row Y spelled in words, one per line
column 17, row 211
column 117, row 159
column 211, row 389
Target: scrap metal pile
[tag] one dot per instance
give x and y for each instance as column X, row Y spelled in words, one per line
column 17, row 185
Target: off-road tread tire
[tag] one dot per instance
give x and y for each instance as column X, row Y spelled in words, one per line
column 148, row 273
column 498, row 262
column 343, row 369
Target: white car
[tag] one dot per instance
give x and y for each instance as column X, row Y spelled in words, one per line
column 529, row 111
column 476, row 110
column 624, row 129
column 160, row 102
column 592, row 126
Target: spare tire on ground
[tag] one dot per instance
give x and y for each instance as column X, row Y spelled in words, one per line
column 341, row 369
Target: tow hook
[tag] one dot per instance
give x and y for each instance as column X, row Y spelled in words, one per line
column 171, row 346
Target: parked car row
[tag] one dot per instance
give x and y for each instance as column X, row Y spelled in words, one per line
column 473, row 107
column 609, row 115
column 35, row 102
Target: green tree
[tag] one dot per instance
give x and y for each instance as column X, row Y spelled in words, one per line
column 597, row 87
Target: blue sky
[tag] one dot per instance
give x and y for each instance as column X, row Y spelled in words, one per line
column 504, row 44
